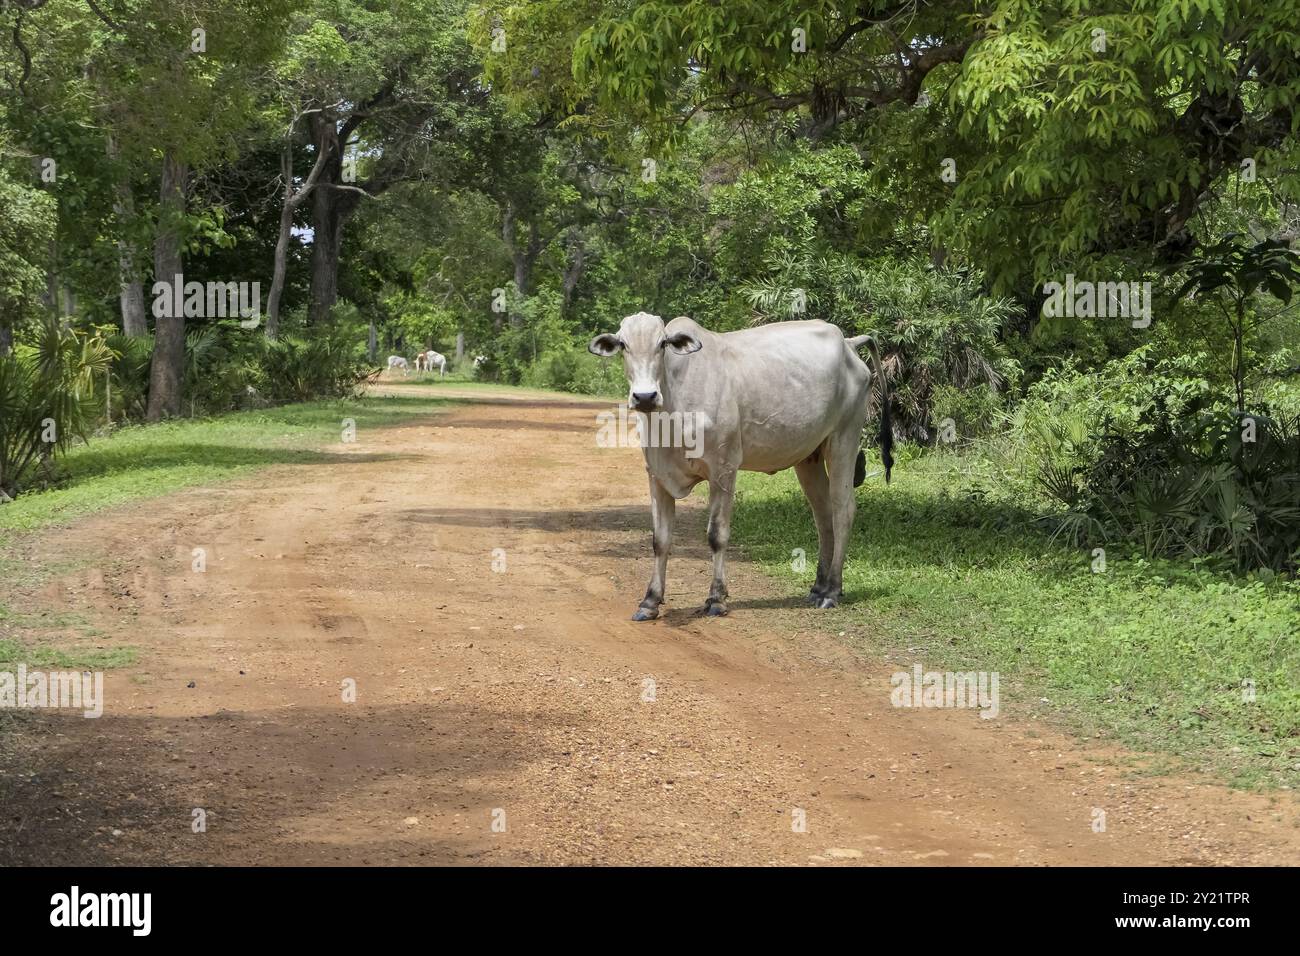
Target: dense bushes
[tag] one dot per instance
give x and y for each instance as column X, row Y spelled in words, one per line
column 941, row 348
column 1200, row 484
column 61, row 384
column 47, row 398
column 1145, row 453
column 228, row 367
column 576, row 370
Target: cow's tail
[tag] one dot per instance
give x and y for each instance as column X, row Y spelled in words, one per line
column 886, row 418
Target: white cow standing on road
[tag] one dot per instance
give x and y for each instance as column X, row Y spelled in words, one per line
column 789, row 394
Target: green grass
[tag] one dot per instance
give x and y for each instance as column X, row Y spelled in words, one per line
column 1153, row 654
column 149, row 460
column 74, row 659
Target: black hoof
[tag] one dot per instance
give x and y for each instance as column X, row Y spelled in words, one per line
column 827, row 602
column 645, row 614
column 715, row 609
column 813, row 598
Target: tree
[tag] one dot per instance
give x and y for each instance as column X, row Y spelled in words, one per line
column 382, row 85
column 1071, row 129
column 1232, row 274
column 26, row 229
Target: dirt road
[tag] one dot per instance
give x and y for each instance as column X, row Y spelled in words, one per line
column 517, row 715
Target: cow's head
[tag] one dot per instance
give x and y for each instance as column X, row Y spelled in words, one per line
column 642, row 339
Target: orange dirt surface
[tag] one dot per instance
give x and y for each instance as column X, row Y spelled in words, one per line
column 518, row 716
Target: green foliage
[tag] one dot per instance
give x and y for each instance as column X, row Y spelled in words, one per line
column 936, row 329
column 228, row 367
column 324, row 366
column 1049, row 438
column 47, row 398
column 576, row 370
column 128, row 393
column 26, row 228
column 1232, row 273
column 1147, row 455
column 1193, row 485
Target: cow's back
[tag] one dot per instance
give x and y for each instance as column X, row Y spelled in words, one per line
column 777, row 391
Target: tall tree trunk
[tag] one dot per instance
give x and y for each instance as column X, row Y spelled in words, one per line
column 327, row 229
column 523, row 256
column 6, row 337
column 460, row 348
column 508, row 236
column 288, row 206
column 327, row 224
column 521, row 283
column 168, row 365
column 573, row 272
column 281, row 264
column 51, row 296
column 131, row 295
column 372, row 340
column 69, row 307
column 130, row 286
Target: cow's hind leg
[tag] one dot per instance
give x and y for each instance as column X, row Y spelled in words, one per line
column 842, row 453
column 722, row 495
column 663, row 509
column 817, row 488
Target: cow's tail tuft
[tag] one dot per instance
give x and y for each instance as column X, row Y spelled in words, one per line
column 886, row 416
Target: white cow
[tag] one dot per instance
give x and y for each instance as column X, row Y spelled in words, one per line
column 789, row 394
column 396, row 361
column 431, row 360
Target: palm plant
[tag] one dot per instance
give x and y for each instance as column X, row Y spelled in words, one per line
column 47, row 398
column 936, row 328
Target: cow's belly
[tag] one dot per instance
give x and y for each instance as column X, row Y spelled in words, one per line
column 772, row 460
column 778, row 435
column 764, row 448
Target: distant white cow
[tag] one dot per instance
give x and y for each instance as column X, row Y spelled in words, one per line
column 396, row 361
column 430, row 360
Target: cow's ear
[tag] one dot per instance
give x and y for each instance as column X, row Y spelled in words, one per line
column 605, row 345
column 683, row 343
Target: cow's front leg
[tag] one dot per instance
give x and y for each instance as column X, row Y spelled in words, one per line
column 663, row 509
column 722, row 494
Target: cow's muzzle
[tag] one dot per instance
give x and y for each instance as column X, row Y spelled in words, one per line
column 644, row 401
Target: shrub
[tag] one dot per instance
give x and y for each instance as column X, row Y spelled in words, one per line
column 128, row 394
column 1052, row 434
column 1201, row 482
column 576, row 370
column 937, row 329
column 47, row 398
column 331, row 364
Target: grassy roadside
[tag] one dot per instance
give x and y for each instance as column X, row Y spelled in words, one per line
column 1153, row 655
column 145, row 461
column 142, row 461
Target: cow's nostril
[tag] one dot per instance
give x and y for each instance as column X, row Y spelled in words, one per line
column 644, row 399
